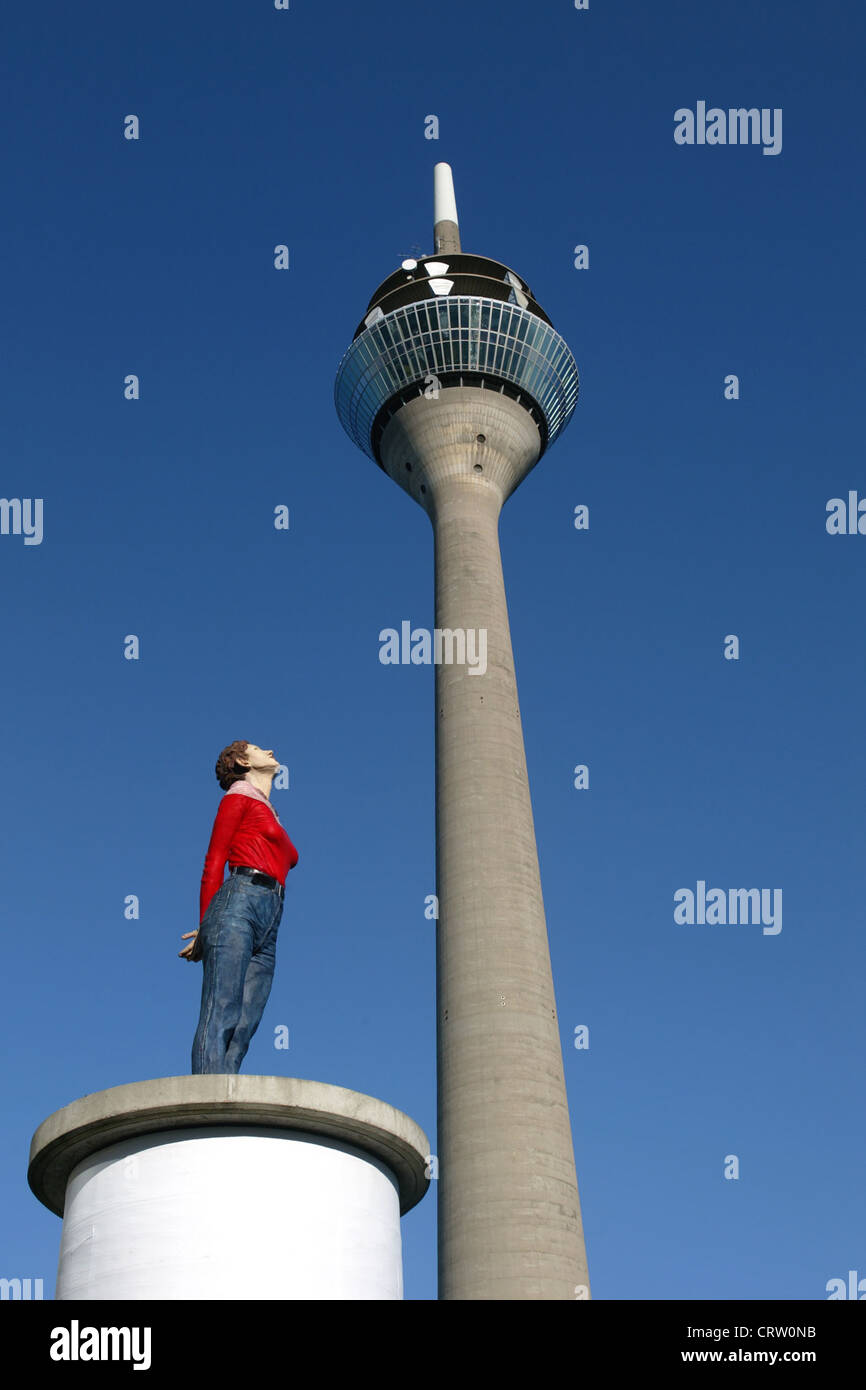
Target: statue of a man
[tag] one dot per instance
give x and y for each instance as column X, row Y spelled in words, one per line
column 239, row 918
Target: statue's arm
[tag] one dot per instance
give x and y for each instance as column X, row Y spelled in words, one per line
column 229, row 815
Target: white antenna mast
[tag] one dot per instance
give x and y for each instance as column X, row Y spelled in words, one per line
column 446, row 229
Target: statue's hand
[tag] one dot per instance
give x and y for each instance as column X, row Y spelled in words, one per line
column 186, row 953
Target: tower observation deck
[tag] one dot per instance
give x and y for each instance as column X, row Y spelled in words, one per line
column 447, row 320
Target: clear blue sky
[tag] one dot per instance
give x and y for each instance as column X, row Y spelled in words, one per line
column 707, row 517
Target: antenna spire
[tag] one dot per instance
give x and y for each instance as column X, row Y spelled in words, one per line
column 446, row 229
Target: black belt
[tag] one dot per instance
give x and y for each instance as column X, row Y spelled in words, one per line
column 258, row 877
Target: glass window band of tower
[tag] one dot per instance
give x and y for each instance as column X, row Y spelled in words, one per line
column 486, row 339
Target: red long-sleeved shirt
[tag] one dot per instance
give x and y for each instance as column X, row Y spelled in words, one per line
column 246, row 831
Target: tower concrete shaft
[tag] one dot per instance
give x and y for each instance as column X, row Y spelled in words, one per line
column 509, row 1212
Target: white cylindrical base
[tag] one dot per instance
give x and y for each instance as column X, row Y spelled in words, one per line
column 231, row 1214
column 229, row 1187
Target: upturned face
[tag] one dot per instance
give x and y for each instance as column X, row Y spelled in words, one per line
column 260, row 759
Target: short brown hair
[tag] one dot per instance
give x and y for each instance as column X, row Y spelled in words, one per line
column 228, row 768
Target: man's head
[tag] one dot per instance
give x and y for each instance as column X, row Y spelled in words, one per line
column 235, row 761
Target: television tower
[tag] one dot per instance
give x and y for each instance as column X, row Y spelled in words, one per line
column 455, row 384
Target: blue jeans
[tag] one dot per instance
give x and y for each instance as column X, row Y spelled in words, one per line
column 239, row 942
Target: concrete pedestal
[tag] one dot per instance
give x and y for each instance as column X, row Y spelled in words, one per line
column 229, row 1187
